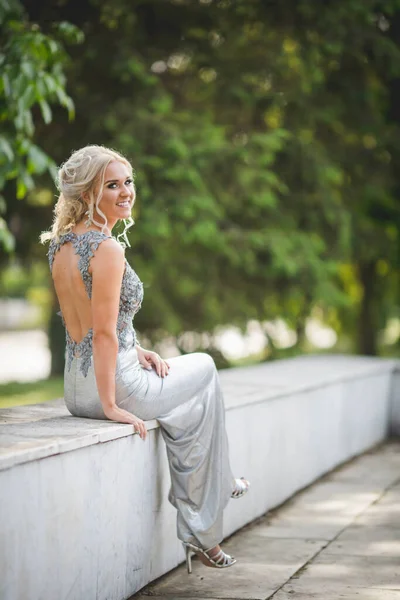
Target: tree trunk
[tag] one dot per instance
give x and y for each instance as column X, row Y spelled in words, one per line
column 367, row 322
column 273, row 353
column 301, row 333
column 303, row 316
column 56, row 334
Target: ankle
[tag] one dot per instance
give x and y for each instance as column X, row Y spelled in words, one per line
column 213, row 551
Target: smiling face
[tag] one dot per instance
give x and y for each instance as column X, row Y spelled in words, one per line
column 118, row 193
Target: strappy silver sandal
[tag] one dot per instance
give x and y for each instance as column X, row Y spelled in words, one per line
column 241, row 488
column 218, row 561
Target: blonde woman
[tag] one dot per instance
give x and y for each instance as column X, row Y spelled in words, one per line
column 108, row 375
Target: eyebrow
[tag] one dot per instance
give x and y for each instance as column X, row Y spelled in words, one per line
column 116, row 180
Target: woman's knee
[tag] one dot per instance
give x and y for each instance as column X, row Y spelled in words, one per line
column 207, row 362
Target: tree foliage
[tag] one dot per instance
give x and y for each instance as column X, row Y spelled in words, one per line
column 264, row 139
column 31, row 79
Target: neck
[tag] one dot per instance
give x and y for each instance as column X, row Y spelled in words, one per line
column 82, row 228
column 107, row 228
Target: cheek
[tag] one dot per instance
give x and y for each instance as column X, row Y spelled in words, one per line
column 108, row 197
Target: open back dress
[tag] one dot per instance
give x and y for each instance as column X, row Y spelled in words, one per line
column 187, row 403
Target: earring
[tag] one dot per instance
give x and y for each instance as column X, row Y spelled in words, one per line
column 89, row 214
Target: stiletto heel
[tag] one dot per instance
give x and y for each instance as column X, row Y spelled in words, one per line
column 188, row 559
column 219, row 561
column 241, row 488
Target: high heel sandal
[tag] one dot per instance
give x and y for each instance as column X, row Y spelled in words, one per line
column 241, row 488
column 219, row 561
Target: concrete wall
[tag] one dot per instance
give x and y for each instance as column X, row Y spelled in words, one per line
column 395, row 402
column 83, row 505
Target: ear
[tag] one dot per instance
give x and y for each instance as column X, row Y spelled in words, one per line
column 85, row 198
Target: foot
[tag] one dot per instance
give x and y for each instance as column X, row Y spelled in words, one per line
column 214, row 551
column 216, row 557
column 241, row 487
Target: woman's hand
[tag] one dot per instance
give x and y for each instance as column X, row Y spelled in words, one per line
column 150, row 359
column 114, row 413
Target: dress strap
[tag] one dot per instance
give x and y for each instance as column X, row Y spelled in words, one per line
column 85, row 245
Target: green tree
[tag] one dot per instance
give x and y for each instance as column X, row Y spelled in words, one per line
column 260, row 133
column 31, row 79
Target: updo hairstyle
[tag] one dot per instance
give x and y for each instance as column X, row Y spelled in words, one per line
column 82, row 173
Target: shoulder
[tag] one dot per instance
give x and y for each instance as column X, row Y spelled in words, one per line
column 109, row 255
column 99, row 243
column 109, row 245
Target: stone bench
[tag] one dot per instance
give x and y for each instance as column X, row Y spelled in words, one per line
column 84, row 513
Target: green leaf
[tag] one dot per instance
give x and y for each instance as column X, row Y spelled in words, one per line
column 28, row 97
column 28, row 69
column 6, row 148
column 7, row 240
column 46, row 111
column 70, row 32
column 24, row 184
column 6, row 85
column 38, row 161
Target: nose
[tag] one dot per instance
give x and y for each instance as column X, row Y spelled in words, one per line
column 126, row 191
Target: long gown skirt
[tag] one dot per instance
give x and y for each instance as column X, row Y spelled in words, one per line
column 189, row 406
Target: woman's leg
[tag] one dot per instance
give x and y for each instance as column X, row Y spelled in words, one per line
column 189, row 406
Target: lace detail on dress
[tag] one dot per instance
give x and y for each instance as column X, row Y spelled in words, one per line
column 85, row 245
column 82, row 349
column 131, row 296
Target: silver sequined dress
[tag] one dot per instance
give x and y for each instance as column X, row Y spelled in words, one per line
column 188, row 404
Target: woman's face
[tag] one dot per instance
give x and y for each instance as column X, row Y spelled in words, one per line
column 118, row 193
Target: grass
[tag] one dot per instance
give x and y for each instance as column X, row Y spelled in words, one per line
column 18, row 394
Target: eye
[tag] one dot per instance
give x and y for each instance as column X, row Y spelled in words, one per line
column 114, row 184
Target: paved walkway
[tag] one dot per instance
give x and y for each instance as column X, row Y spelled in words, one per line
column 338, row 539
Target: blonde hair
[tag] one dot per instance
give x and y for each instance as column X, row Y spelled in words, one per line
column 82, row 173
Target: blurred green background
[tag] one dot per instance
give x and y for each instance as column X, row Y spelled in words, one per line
column 265, row 140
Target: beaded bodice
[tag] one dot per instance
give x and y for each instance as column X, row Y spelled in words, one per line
column 131, row 294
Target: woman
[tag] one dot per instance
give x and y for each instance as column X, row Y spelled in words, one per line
column 109, row 376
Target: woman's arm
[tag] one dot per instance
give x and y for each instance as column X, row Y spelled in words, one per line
column 107, row 267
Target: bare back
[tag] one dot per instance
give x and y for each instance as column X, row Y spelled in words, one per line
column 71, row 270
column 71, row 293
column 96, row 288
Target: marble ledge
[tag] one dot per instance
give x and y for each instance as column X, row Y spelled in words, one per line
column 29, row 433
column 326, row 370
column 22, row 442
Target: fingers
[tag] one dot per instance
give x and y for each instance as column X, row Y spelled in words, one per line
column 145, row 364
column 164, row 368
column 140, row 428
column 160, row 365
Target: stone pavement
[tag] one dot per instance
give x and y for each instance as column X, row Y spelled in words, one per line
column 337, row 539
